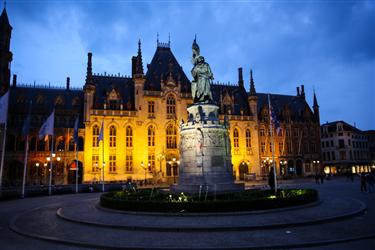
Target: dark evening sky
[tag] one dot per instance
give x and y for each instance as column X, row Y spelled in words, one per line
column 328, row 46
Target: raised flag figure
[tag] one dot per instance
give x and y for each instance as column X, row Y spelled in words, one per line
column 44, row 131
column 25, row 134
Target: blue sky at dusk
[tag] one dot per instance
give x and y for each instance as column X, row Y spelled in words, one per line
column 326, row 45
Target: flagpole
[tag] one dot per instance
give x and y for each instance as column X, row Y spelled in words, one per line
column 273, row 144
column 2, row 158
column 103, row 164
column 50, row 169
column 77, row 167
column 3, row 146
column 25, row 166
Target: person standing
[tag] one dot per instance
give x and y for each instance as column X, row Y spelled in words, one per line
column 363, row 183
column 316, row 178
column 271, row 179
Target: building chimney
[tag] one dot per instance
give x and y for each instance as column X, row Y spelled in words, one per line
column 240, row 77
column 68, row 83
column 303, row 91
column 14, row 80
column 297, row 91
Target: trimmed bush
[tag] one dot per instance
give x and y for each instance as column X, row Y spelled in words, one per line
column 249, row 200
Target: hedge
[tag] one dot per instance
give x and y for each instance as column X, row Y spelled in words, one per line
column 243, row 201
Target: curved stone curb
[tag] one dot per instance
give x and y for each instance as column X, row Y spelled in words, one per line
column 109, row 210
column 14, row 228
column 188, row 228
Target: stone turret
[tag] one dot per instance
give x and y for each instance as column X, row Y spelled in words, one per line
column 138, row 77
column 252, row 98
column 5, row 55
column 89, row 89
column 316, row 109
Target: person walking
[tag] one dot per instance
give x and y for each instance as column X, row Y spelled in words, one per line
column 322, row 175
column 271, row 179
column 363, row 183
column 316, row 178
column 370, row 182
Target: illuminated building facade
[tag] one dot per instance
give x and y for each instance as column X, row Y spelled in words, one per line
column 345, row 148
column 141, row 113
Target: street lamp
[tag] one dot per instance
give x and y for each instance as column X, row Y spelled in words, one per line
column 282, row 167
column 316, row 163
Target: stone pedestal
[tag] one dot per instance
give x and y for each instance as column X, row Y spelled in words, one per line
column 205, row 155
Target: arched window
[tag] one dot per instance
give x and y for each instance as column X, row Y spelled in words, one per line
column 60, row 144
column 151, row 136
column 80, row 144
column 71, row 144
column 41, row 145
column 95, row 136
column 32, row 144
column 112, row 136
column 171, row 137
column 248, row 138
column 171, row 105
column 129, row 137
column 235, row 138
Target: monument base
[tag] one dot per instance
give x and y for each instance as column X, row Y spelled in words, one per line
column 205, row 155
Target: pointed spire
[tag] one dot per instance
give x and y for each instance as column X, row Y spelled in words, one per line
column 315, row 101
column 157, row 39
column 139, row 64
column 4, row 21
column 169, row 39
column 252, row 85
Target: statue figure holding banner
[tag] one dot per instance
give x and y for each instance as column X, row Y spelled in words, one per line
column 202, row 74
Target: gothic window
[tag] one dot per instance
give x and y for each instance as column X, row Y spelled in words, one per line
column 265, row 117
column 71, row 144
column 59, row 101
column 248, row 138
column 61, row 144
column 75, row 102
column 261, row 131
column 171, row 105
column 263, row 147
column 287, row 132
column 40, row 99
column 95, row 136
column 129, row 137
column 112, row 163
column 235, row 138
column 129, row 162
column 112, row 136
column 95, row 163
column 151, row 136
column 151, row 162
column 281, row 147
column 151, row 107
column 271, row 147
column 171, row 137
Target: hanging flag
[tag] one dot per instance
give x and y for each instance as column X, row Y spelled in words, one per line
column 4, row 107
column 101, row 134
column 48, row 126
column 26, row 125
column 75, row 133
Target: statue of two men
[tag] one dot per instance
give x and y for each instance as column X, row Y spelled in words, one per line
column 202, row 74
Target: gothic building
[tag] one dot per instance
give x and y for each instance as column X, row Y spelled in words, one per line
column 141, row 114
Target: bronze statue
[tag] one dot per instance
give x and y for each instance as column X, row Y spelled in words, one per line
column 202, row 74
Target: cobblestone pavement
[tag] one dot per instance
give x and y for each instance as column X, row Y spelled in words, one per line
column 46, row 216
